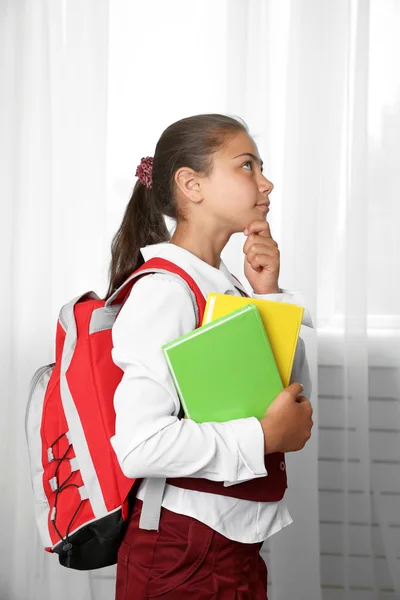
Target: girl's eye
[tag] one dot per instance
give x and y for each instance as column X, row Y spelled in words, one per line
column 250, row 162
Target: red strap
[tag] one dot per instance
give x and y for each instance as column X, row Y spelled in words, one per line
column 166, row 265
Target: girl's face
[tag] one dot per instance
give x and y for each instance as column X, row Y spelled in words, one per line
column 236, row 192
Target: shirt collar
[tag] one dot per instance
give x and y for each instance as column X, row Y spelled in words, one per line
column 208, row 278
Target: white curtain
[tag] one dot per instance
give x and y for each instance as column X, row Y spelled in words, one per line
column 86, row 89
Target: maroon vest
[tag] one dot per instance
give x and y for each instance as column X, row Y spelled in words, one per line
column 261, row 489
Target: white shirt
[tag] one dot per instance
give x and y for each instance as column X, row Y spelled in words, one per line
column 150, row 440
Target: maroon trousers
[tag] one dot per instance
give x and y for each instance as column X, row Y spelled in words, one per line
column 187, row 560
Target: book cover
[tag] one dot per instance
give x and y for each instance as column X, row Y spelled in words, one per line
column 226, row 369
column 282, row 322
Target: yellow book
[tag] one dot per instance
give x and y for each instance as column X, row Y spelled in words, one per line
column 281, row 320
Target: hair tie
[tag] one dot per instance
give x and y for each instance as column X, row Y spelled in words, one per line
column 144, row 172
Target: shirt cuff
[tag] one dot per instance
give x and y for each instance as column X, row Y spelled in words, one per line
column 290, row 297
column 249, row 437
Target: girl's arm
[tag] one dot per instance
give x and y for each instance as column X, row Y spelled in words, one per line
column 150, row 440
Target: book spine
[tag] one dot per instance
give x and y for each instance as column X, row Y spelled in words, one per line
column 209, row 310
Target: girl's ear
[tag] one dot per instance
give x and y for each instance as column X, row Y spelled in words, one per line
column 188, row 182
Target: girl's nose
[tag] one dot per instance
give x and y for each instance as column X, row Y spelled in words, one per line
column 265, row 185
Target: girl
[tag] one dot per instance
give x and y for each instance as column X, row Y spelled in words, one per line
column 223, row 495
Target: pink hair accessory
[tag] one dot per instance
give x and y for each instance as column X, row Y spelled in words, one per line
column 144, row 171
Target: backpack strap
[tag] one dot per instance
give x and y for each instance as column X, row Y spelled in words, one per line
column 160, row 265
column 151, row 508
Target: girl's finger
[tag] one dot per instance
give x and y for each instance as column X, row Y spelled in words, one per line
column 267, row 243
column 260, row 227
column 263, row 258
column 254, row 265
column 262, row 261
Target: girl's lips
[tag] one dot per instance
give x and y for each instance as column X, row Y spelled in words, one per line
column 263, row 207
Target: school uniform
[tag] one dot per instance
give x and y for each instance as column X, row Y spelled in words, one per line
column 208, row 543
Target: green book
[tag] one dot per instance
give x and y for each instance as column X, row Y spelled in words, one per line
column 226, row 369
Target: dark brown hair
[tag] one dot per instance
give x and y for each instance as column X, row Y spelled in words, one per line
column 190, row 142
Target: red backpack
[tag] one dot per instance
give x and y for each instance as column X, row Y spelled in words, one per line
column 82, row 498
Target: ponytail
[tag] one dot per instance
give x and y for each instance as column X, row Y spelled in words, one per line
column 142, row 224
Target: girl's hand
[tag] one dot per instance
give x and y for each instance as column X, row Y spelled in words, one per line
column 288, row 421
column 262, row 258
